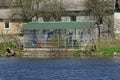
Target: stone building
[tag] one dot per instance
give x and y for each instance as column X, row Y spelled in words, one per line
column 8, row 24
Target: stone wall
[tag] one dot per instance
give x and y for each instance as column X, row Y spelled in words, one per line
column 52, row 53
column 14, row 27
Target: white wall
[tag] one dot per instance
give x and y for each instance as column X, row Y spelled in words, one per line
column 117, row 22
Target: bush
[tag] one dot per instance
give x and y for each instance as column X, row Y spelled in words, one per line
column 12, row 44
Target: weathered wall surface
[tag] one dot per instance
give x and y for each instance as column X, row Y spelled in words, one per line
column 14, row 28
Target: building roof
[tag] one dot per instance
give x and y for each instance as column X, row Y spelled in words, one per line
column 4, row 13
column 57, row 25
column 68, row 5
column 8, row 14
column 74, row 5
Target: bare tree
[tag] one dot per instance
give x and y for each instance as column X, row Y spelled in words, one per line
column 26, row 9
column 52, row 10
column 22, row 9
column 5, row 3
column 109, row 21
column 99, row 9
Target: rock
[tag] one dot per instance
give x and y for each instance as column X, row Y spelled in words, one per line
column 10, row 52
column 115, row 53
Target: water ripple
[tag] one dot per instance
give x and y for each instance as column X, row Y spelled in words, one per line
column 59, row 69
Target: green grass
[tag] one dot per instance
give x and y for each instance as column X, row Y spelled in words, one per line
column 76, row 51
column 107, row 51
column 109, row 44
column 108, row 47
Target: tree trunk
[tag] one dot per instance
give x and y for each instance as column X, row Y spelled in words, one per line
column 99, row 34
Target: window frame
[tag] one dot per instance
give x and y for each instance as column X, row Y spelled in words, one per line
column 73, row 18
column 6, row 23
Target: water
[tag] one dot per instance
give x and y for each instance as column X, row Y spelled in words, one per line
column 60, row 69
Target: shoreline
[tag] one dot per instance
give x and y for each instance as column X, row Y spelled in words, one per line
column 66, row 54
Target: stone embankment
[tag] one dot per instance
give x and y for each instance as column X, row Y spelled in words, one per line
column 48, row 53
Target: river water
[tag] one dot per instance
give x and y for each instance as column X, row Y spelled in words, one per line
column 87, row 68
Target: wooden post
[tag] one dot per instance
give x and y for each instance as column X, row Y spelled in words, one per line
column 72, row 40
column 79, row 39
column 65, row 44
column 75, row 34
column 59, row 38
column 79, row 44
column 65, row 39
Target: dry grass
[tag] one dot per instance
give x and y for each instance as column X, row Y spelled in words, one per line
column 109, row 44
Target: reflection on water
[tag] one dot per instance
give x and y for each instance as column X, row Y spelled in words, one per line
column 116, row 59
column 107, row 68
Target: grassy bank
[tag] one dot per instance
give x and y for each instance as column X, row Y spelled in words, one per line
column 104, row 48
column 108, row 48
column 109, row 44
column 107, row 51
